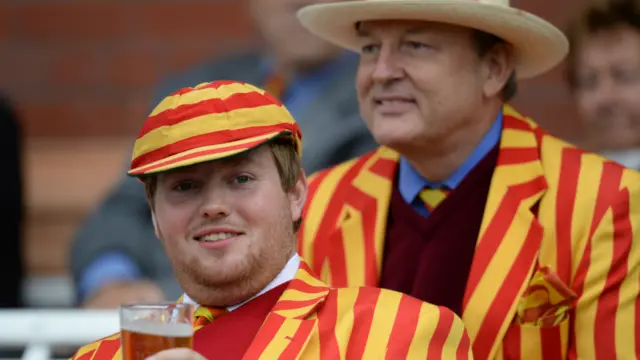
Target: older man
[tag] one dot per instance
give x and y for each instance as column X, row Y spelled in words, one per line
column 221, row 167
column 468, row 204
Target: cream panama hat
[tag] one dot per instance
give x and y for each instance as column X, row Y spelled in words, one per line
column 538, row 45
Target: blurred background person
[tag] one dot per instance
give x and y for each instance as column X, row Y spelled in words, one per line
column 604, row 75
column 116, row 256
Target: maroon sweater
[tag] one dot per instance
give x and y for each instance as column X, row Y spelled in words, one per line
column 430, row 258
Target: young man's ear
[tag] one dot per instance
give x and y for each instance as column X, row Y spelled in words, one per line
column 298, row 196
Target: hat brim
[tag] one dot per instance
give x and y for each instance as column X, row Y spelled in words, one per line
column 205, row 154
column 539, row 46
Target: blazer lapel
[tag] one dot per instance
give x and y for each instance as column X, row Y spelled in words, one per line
column 289, row 326
column 361, row 225
column 509, row 238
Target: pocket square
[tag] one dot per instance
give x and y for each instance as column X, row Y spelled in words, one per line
column 547, row 300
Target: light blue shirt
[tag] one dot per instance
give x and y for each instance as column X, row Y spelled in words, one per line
column 411, row 183
column 116, row 266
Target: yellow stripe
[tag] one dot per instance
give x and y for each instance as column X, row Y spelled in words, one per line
column 388, row 304
column 353, row 240
column 316, row 206
column 453, row 340
column 530, row 342
column 626, row 326
column 583, row 211
column 427, row 321
column 487, row 287
column 379, row 188
column 601, row 253
column 280, row 341
column 196, row 96
column 233, row 120
column 205, row 149
column 346, row 303
column 516, row 138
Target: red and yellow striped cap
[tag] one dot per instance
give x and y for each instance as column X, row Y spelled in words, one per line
column 208, row 122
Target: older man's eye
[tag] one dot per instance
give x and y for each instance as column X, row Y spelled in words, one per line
column 242, row 179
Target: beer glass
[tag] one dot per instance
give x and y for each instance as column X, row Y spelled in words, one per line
column 146, row 329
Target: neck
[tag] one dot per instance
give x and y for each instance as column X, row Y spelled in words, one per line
column 437, row 159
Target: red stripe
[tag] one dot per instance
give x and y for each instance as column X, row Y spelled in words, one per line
column 497, row 230
column 362, row 315
column 208, row 139
column 185, row 112
column 267, row 333
column 385, row 168
column 295, row 304
column 551, row 342
column 85, row 356
column 107, row 349
column 327, row 318
column 463, row 347
column 609, row 185
column 297, row 341
column 501, row 305
column 511, row 344
column 565, row 202
column 511, row 156
column 200, row 154
column 605, row 322
column 440, row 335
column 327, row 247
column 512, row 122
column 404, row 328
column 305, row 287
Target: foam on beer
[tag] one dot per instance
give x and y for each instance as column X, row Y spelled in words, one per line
column 158, row 329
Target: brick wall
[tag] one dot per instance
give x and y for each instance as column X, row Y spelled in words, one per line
column 82, row 72
column 86, row 68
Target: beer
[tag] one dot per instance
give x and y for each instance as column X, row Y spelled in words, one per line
column 146, row 329
column 142, row 339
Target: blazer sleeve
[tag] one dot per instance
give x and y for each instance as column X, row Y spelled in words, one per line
column 607, row 278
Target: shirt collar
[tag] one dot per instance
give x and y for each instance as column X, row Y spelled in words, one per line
column 410, row 182
column 286, row 274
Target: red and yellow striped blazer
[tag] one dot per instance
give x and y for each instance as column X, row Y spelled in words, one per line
column 561, row 283
column 313, row 321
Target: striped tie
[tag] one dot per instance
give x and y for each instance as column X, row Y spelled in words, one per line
column 204, row 315
column 275, row 85
column 433, row 197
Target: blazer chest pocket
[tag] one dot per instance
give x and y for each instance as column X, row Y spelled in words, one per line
column 542, row 317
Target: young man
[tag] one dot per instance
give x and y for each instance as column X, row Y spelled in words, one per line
column 221, row 167
column 468, row 204
column 116, row 257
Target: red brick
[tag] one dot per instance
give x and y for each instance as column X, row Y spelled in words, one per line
column 194, row 21
column 69, row 20
column 73, row 67
column 73, row 119
column 132, row 67
column 6, row 11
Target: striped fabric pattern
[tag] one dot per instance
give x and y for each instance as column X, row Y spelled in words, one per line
column 207, row 122
column 312, row 321
column 557, row 240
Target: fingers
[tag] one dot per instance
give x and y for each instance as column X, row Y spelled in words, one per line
column 177, row 354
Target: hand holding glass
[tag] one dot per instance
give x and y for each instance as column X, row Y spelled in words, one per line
column 147, row 329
